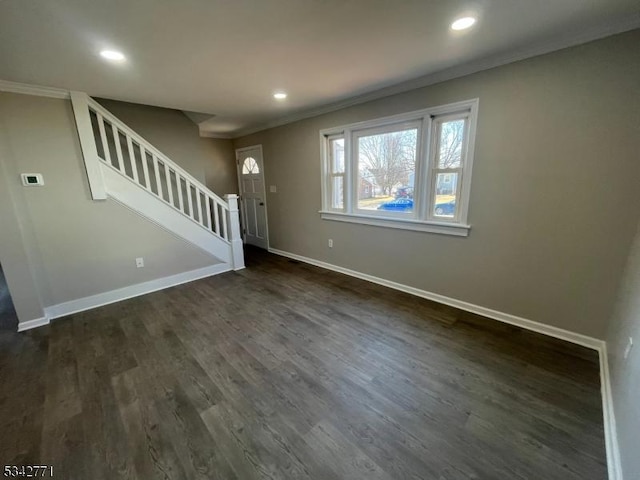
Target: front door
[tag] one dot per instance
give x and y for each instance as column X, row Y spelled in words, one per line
column 252, row 193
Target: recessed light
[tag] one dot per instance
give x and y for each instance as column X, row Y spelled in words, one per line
column 112, row 55
column 463, row 23
column 280, row 95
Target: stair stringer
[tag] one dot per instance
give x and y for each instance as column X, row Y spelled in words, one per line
column 125, row 192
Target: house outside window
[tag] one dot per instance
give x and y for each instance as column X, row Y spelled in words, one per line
column 409, row 171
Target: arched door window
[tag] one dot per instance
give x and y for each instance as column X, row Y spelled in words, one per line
column 250, row 166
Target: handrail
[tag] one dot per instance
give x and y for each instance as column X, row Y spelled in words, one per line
column 148, row 146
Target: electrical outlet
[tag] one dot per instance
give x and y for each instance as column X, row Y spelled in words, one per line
column 139, row 262
column 272, row 189
column 628, row 348
column 330, row 243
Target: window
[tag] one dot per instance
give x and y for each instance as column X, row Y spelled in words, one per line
column 336, row 166
column 386, row 160
column 250, row 166
column 409, row 171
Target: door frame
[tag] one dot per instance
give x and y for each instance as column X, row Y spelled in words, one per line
column 264, row 189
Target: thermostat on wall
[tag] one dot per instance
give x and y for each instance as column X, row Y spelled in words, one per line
column 32, row 179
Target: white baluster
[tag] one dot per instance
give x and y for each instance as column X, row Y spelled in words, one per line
column 199, row 202
column 216, row 216
column 145, row 168
column 208, row 201
column 189, row 198
column 167, row 174
column 180, row 199
column 156, row 169
column 103, row 138
column 132, row 160
column 116, row 141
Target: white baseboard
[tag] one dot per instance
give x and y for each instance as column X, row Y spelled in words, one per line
column 611, row 438
column 105, row 298
column 29, row 324
column 610, row 431
column 555, row 332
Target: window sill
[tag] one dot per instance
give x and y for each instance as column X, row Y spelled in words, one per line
column 444, row 228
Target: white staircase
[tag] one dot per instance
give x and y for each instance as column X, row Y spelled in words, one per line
column 124, row 166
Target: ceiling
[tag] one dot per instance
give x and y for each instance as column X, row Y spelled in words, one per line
column 221, row 60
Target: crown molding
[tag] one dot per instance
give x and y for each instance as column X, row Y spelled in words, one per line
column 38, row 90
column 568, row 40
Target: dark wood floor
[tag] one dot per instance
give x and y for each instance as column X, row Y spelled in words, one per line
column 284, row 370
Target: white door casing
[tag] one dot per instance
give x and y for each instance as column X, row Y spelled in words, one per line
column 252, row 193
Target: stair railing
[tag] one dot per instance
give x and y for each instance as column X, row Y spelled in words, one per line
column 107, row 141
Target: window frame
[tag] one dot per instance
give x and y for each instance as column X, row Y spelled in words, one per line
column 355, row 176
column 436, row 129
column 423, row 217
column 331, row 174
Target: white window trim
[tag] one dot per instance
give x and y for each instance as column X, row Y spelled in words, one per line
column 331, row 174
column 421, row 219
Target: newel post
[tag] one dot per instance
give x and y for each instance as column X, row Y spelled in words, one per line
column 237, row 253
column 80, row 103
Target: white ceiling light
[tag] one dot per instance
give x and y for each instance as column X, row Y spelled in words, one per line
column 112, row 55
column 463, row 23
column 280, row 95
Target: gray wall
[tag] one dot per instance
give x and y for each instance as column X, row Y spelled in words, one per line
column 554, row 198
column 56, row 244
column 209, row 160
column 625, row 373
column 14, row 246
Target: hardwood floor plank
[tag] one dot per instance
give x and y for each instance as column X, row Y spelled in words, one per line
column 242, row 461
column 23, row 368
column 202, row 392
column 347, row 459
column 60, row 446
column 62, row 396
column 104, row 431
column 245, row 453
column 152, row 452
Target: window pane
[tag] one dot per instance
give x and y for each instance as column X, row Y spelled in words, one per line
column 336, row 148
column 451, row 137
column 337, row 194
column 445, row 195
column 250, row 166
column 386, row 171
